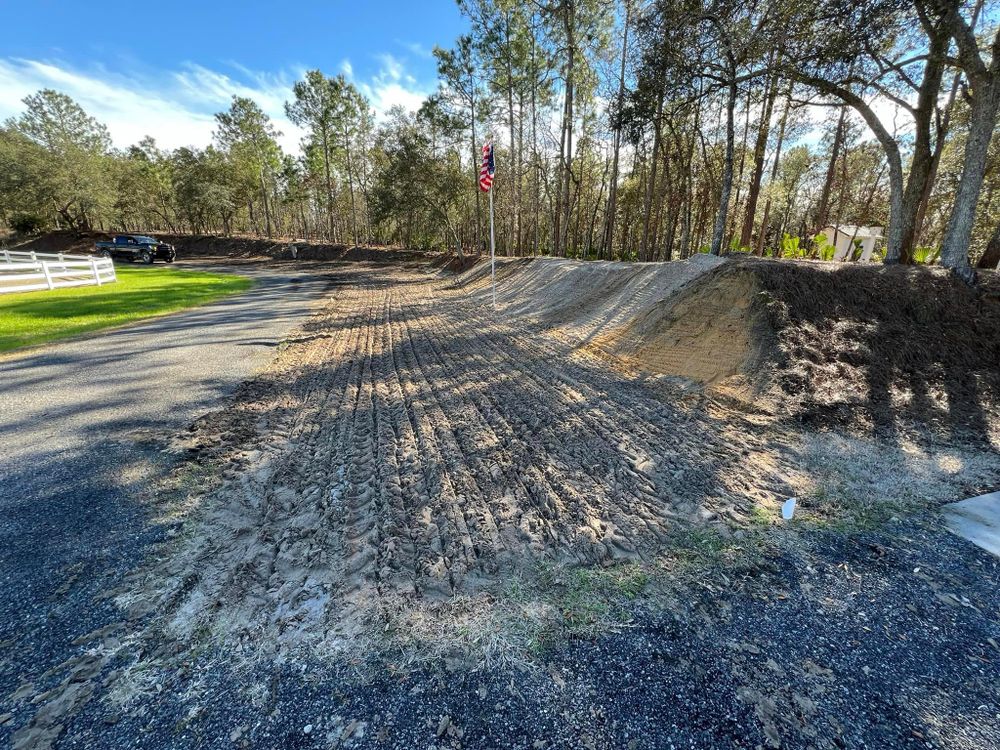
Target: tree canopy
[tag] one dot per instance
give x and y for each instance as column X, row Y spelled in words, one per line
column 625, row 130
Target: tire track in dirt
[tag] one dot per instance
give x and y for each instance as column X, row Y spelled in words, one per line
column 433, row 449
column 564, row 409
column 478, row 436
column 645, row 417
column 556, row 494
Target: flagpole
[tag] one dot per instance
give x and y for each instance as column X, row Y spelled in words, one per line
column 493, row 268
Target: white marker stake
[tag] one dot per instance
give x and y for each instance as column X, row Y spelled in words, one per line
column 788, row 509
column 493, row 268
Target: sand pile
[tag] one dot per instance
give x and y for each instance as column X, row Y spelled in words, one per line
column 577, row 299
column 413, row 456
column 708, row 331
column 859, row 345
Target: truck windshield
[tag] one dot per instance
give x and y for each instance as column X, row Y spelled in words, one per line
column 143, row 240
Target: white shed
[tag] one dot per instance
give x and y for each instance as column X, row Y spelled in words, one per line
column 844, row 237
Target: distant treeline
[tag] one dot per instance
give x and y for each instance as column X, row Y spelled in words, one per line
column 640, row 131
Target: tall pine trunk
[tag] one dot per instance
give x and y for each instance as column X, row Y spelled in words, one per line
column 727, row 168
column 610, row 214
column 823, row 208
column 761, row 238
column 759, row 151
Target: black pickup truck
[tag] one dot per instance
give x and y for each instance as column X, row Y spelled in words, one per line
column 136, row 247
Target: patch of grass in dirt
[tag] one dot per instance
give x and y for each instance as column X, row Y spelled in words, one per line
column 835, row 507
column 588, row 597
column 141, row 292
column 761, row 515
column 548, row 603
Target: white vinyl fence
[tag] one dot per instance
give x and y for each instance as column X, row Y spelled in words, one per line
column 28, row 271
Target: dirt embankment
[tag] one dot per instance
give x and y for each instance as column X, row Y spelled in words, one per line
column 230, row 247
column 579, row 301
column 864, row 346
column 880, row 346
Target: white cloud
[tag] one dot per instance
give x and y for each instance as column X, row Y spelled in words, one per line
column 417, row 49
column 178, row 108
column 178, row 111
column 393, row 86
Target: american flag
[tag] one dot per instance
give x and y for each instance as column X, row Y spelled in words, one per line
column 486, row 171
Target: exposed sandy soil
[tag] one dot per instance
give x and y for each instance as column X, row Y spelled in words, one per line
column 414, row 446
column 413, row 451
column 874, row 349
column 420, row 477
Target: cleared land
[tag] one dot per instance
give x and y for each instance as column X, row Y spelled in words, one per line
column 140, row 292
column 424, row 449
column 429, row 522
column 413, row 452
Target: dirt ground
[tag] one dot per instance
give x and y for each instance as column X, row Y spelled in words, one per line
column 411, row 453
column 416, row 449
column 419, row 479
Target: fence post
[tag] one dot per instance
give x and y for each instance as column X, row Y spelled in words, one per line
column 6, row 255
column 48, row 276
column 97, row 273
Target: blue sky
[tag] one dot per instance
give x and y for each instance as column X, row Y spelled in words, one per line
column 165, row 68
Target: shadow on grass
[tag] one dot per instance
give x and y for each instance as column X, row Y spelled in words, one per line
column 39, row 317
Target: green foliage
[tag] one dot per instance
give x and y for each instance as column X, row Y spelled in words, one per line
column 790, row 247
column 57, row 156
column 418, row 189
column 736, row 247
column 541, row 79
column 926, row 255
column 825, row 249
column 28, row 223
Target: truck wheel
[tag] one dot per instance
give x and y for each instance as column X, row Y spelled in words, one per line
column 170, row 258
column 105, row 253
column 146, row 256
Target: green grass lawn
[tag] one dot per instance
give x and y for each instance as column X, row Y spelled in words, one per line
column 140, row 292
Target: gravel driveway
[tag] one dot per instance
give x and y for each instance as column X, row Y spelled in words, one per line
column 72, row 457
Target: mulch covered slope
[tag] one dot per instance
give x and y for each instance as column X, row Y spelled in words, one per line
column 880, row 346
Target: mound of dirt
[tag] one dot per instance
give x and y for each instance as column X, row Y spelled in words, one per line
column 861, row 346
column 580, row 300
column 411, row 457
column 63, row 241
column 880, row 346
column 864, row 346
column 708, row 332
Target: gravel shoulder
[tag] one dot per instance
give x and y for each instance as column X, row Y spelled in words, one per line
column 77, row 421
